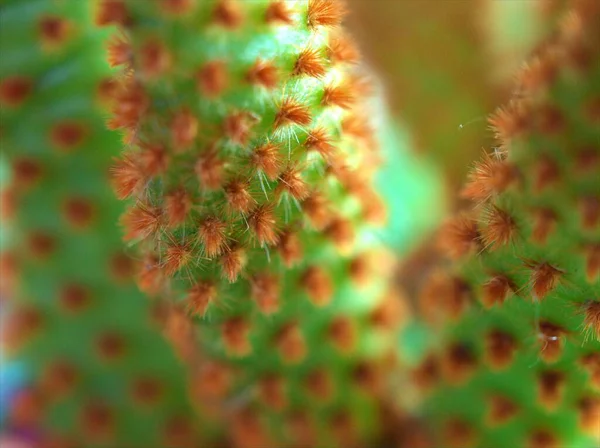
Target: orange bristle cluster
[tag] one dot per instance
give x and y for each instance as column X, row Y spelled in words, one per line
column 500, row 228
column 265, row 291
column 328, row 13
column 14, row 90
column 501, row 410
column 290, row 342
column 68, row 135
column 53, row 30
column 235, row 332
column 459, row 236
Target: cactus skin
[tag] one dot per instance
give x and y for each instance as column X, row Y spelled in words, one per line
column 260, row 223
column 101, row 373
column 515, row 316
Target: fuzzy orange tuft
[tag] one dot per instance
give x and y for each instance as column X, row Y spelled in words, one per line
column 278, row 11
column 509, row 121
column 427, row 374
column 488, row 178
column 122, row 267
column 177, row 256
column 263, row 73
column 266, row 159
column 310, row 62
column 147, row 391
column 238, row 196
column 320, row 385
column 25, row 172
column 290, row 248
column 178, row 7
column 290, row 342
column 500, row 410
column 326, row 13
column 317, row 209
column 40, row 244
column 544, row 278
column 320, row 141
column 141, row 221
column 263, row 224
column 184, row 129
column 119, row 51
column 212, row 78
column 199, row 298
column 154, row 58
column 458, row 363
column 291, row 112
column 342, row 50
column 59, row 378
column 342, row 334
column 551, row 341
column 500, row 228
column 459, row 236
column 291, row 181
column 235, row 332
column 14, row 90
column 341, row 233
column 318, row 285
column 211, row 233
column 592, row 263
column 544, row 224
column 129, row 105
column 590, row 212
column 54, row 31
column 111, row 346
column 238, row 126
column 458, row 434
column 209, row 169
column 228, row 14
column 68, row 135
column 177, row 206
column 127, row 176
column 74, row 298
column 265, row 291
column 213, row 381
column 500, row 348
column 591, row 318
column 362, row 268
column 341, row 96
column 79, row 212
column 550, row 389
column 233, row 261
column 589, row 415
column 112, row 12
column 496, row 291
column 271, row 390
column 97, row 422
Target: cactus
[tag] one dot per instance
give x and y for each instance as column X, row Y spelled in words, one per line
column 249, row 167
column 99, row 372
column 514, row 318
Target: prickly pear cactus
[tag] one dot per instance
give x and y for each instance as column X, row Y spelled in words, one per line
column 516, row 315
column 249, row 167
column 100, row 373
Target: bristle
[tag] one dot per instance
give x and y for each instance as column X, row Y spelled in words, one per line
column 151, row 277
column 290, row 342
column 290, row 248
column 488, row 178
column 318, row 285
column 235, row 332
column 238, row 126
column 14, row 90
column 119, row 51
column 544, row 278
column 111, row 346
column 271, row 390
column 263, row 73
column 542, row 439
column 25, row 172
column 141, row 221
column 68, row 135
column 443, row 295
column 178, row 432
column 550, row 389
column 279, row 12
column 510, row 121
column 496, row 291
column 247, row 429
column 122, row 267
column 342, row 50
column 592, row 263
column 209, row 168
column 500, row 410
column 97, row 422
column 317, row 210
column 591, row 318
column 291, row 181
column 212, row 78
column 291, row 112
column 40, row 244
column 551, row 342
column 459, row 236
column 26, row 408
column 544, row 225
column 211, row 233
column 546, row 173
column 263, row 224
column 458, row 363
column 341, row 96
column 53, row 30
column 587, row 160
column 233, row 261
column 341, row 233
column 111, row 12
column 500, row 228
column 127, row 176
column 265, row 291
column 238, row 196
column 344, row 428
column 199, row 298
column 549, row 119
column 537, row 73
column 266, row 159
column 342, row 333
column 362, row 268
column 79, row 212
column 106, row 91
column 130, row 103
column 458, row 434
column 310, row 62
column 184, row 129
column 74, row 298
column 389, row 313
column 590, row 212
column 300, row 428
column 500, row 349
column 228, row 14
column 23, row 324
column 368, row 377
column 591, row 363
column 147, row 391
column 589, row 415
column 154, row 59
column 326, row 13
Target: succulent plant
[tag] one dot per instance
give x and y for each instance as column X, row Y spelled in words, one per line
column 250, row 170
column 99, row 372
column 514, row 316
